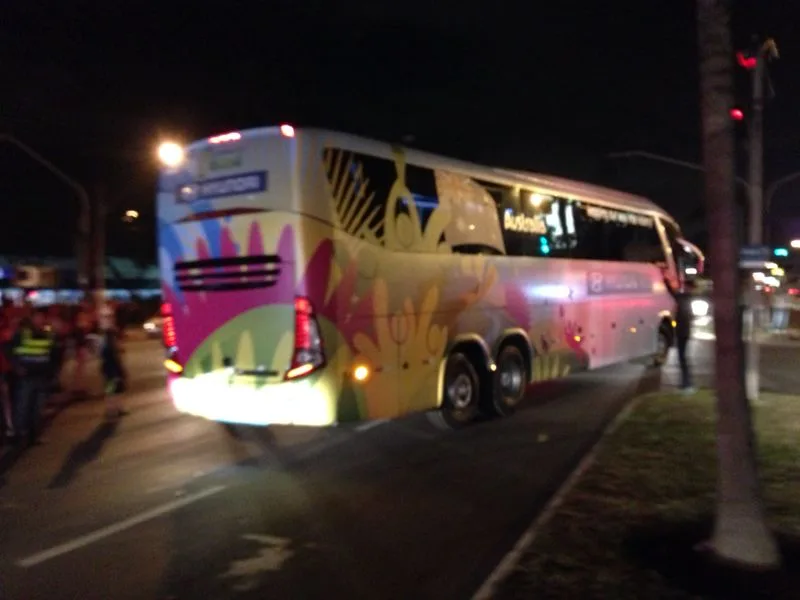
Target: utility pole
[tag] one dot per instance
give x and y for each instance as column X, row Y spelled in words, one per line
column 99, row 254
column 755, row 230
column 83, row 245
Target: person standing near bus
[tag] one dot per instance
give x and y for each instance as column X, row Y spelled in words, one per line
column 111, row 365
column 82, row 329
column 33, row 360
column 683, row 330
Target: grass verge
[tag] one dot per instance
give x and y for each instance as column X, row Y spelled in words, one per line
column 627, row 529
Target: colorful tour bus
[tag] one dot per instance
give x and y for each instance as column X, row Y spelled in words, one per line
column 317, row 278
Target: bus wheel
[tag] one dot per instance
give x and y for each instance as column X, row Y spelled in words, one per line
column 663, row 344
column 510, row 381
column 460, row 394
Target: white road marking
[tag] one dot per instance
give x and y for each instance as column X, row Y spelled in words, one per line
column 105, row 532
column 370, row 425
column 274, row 551
column 511, row 560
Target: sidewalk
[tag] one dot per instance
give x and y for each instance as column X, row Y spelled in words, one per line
column 142, row 358
column 628, row 527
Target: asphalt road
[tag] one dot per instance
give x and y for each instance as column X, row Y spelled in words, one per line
column 164, row 506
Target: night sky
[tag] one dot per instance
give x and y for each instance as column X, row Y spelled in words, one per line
column 547, row 86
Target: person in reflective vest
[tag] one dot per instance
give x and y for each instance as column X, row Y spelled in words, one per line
column 32, row 356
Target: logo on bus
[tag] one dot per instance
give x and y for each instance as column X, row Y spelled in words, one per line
column 602, row 284
column 246, row 183
column 523, row 223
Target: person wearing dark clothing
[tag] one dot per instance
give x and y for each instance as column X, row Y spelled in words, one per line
column 113, row 370
column 59, row 331
column 81, row 329
column 683, row 330
column 33, row 361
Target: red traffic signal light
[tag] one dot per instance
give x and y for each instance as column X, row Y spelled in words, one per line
column 745, row 61
column 736, row 114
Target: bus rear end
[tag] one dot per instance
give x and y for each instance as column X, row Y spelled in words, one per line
column 244, row 340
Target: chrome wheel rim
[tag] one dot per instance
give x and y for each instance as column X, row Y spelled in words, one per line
column 460, row 391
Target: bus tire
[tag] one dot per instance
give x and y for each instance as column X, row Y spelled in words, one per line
column 663, row 344
column 460, row 394
column 509, row 382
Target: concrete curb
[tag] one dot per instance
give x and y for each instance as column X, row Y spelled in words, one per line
column 510, row 561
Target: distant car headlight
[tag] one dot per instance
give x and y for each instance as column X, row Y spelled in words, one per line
column 700, row 308
column 149, row 326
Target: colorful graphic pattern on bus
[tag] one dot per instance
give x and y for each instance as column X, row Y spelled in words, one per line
column 387, row 290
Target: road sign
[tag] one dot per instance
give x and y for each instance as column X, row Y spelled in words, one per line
column 754, row 257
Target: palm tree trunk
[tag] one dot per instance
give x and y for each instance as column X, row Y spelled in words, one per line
column 741, row 534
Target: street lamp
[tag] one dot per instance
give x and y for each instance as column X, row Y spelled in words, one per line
column 171, row 154
column 795, row 244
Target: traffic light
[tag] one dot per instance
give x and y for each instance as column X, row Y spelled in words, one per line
column 736, row 114
column 780, row 252
column 746, row 61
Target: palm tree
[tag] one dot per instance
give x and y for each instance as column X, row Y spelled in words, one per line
column 741, row 535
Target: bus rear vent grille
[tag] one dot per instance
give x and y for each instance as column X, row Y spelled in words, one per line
column 228, row 274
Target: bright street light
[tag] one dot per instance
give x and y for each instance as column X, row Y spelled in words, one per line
column 171, row 154
column 795, row 243
column 132, row 214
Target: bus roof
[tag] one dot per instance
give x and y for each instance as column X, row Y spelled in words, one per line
column 545, row 183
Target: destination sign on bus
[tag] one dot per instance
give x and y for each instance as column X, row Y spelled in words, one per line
column 245, row 183
column 606, row 214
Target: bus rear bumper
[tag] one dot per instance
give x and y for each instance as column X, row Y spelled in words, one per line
column 307, row 402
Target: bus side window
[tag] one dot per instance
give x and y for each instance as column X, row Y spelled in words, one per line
column 354, row 180
column 517, row 244
column 592, row 235
column 421, row 183
column 638, row 241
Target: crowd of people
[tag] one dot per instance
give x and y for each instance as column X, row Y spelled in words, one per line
column 36, row 343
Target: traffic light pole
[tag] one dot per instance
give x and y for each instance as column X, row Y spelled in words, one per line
column 755, row 231
column 83, row 246
column 99, row 254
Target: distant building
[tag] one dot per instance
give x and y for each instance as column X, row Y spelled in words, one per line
column 124, row 277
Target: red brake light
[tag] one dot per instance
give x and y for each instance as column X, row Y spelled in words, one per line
column 168, row 326
column 794, row 291
column 302, row 323
column 308, row 353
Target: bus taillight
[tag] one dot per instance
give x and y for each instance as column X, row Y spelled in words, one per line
column 308, row 353
column 168, row 326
